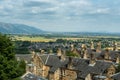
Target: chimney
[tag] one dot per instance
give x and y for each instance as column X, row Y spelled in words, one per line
column 106, row 55
column 59, row 52
column 70, row 63
column 33, row 54
column 92, row 59
column 85, row 56
column 83, row 50
column 98, row 47
column 115, row 48
column 42, row 51
column 72, row 47
column 92, row 45
column 117, row 58
column 83, row 46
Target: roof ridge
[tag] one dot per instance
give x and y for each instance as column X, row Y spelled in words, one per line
column 41, row 59
column 47, row 59
column 25, row 74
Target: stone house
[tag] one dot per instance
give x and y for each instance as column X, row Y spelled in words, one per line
column 53, row 67
column 90, row 71
column 47, row 65
column 94, row 64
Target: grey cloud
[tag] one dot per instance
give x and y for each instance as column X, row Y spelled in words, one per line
column 48, row 12
column 37, row 4
column 78, row 12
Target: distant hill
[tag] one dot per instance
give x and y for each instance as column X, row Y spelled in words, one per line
column 8, row 28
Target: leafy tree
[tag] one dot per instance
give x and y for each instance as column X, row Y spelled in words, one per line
column 9, row 67
column 60, row 41
column 70, row 53
column 21, row 47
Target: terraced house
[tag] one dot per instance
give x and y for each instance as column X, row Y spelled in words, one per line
column 91, row 64
column 53, row 68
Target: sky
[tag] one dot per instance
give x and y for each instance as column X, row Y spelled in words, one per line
column 63, row 15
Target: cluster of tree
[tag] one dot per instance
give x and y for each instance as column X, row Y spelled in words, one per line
column 10, row 68
column 71, row 54
column 21, row 47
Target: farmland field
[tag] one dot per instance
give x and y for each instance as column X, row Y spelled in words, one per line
column 48, row 39
column 42, row 39
column 32, row 39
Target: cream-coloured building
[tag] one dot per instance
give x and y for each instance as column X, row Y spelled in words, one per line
column 52, row 67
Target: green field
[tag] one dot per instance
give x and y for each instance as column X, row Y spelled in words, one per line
column 41, row 38
column 46, row 39
column 32, row 39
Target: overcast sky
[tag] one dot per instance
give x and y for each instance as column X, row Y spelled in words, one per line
column 63, row 15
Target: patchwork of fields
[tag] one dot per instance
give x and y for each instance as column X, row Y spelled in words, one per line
column 32, row 39
column 53, row 39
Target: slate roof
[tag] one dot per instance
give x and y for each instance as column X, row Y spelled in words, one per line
column 113, row 54
column 26, row 57
column 100, row 67
column 31, row 76
column 51, row 60
column 64, row 63
column 116, row 76
column 44, row 58
column 78, row 64
column 53, row 69
column 82, row 65
column 86, row 71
